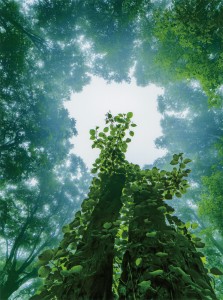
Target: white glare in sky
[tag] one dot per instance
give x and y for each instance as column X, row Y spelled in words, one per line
column 90, row 106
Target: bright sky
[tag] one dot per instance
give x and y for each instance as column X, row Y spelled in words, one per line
column 90, row 106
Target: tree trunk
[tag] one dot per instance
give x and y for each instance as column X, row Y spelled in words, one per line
column 96, row 253
column 162, row 262
column 9, row 286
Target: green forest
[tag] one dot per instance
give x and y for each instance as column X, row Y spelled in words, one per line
column 118, row 231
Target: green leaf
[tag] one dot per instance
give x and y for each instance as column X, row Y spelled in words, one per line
column 187, row 224
column 194, row 225
column 145, row 285
column 106, row 129
column 199, row 245
column 43, row 271
column 161, row 254
column 76, row 269
column 162, row 209
column 65, row 273
column 156, row 272
column 204, row 260
column 174, row 162
column 94, row 170
column 187, row 160
column 182, row 166
column 176, row 157
column 129, row 115
column 102, row 135
column 46, row 255
column 131, row 133
column 168, row 196
column 107, row 225
column 178, row 194
column 65, row 229
column 151, row 234
column 138, row 261
column 92, row 132
column 216, row 271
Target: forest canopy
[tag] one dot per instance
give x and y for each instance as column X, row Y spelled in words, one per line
column 50, row 49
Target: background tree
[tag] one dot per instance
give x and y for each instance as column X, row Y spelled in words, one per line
column 32, row 212
column 42, row 184
column 192, row 127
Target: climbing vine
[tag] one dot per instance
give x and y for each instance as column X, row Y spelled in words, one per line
column 125, row 243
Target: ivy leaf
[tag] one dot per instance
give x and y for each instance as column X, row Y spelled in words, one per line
column 199, row 245
column 178, row 194
column 216, row 271
column 138, row 261
column 43, row 271
column 187, row 160
column 106, row 129
column 66, row 228
column 194, row 225
column 161, row 254
column 46, row 255
column 156, row 272
column 65, row 273
column 107, row 225
column 182, row 165
column 76, row 269
column 204, row 260
column 92, row 132
column 151, row 234
column 174, row 162
column 176, row 157
column 162, row 209
column 94, row 170
column 145, row 285
column 131, row 133
column 129, row 115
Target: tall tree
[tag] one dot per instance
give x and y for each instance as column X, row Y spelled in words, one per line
column 39, row 177
column 190, row 126
column 125, row 224
column 32, row 213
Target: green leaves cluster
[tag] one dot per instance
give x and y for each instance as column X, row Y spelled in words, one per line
column 113, row 142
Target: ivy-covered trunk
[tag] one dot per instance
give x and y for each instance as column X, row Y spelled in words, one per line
column 96, row 251
column 125, row 227
column 161, row 261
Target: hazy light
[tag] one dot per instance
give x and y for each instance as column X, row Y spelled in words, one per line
column 89, row 109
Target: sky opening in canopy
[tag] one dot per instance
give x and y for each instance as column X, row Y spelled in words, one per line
column 90, row 106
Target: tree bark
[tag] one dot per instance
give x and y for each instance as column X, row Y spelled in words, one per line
column 96, row 253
